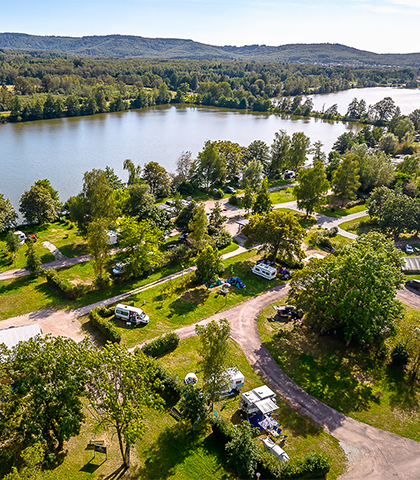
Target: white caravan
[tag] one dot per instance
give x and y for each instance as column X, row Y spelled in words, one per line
column 265, row 271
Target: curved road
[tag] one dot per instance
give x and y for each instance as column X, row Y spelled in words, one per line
column 372, row 453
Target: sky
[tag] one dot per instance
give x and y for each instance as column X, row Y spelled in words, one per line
column 381, row 26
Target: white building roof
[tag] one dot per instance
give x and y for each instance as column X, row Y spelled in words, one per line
column 411, row 264
column 13, row 335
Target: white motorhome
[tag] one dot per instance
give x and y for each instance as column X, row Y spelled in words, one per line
column 275, row 450
column 112, row 237
column 260, row 400
column 236, row 381
column 131, row 314
column 21, row 236
column 265, row 271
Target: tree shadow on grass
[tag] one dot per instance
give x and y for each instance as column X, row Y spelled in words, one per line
column 403, row 389
column 189, row 301
column 16, row 284
column 172, row 446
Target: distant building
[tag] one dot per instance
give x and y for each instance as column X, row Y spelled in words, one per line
column 13, row 335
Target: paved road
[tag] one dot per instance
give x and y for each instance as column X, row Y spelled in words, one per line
column 372, row 453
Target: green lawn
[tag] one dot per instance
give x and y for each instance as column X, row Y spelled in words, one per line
column 179, row 302
column 281, row 196
column 279, row 182
column 354, row 380
column 358, row 226
column 337, row 211
column 65, row 237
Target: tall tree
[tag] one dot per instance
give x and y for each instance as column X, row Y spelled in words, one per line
column 48, row 385
column 279, row 151
column 277, row 232
column 209, row 265
column 262, row 202
column 97, row 240
column 120, row 385
column 345, row 180
column 353, row 293
column 388, row 143
column 157, row 178
column 216, row 219
column 232, row 153
column 210, row 167
column 215, row 355
column 33, row 260
column 242, row 452
column 40, row 204
column 260, row 151
column 133, row 172
column 184, row 166
column 139, row 244
column 198, row 227
column 253, row 175
column 8, row 216
column 299, row 147
column 193, row 406
column 312, row 188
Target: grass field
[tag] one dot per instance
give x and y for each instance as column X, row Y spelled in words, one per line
column 356, row 381
column 358, row 226
column 65, row 237
column 281, row 196
column 337, row 211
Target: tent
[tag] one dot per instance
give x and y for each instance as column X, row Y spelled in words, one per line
column 190, row 378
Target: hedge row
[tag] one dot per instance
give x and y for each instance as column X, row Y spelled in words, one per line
column 171, row 383
column 165, row 343
column 64, row 288
column 307, row 466
column 105, row 326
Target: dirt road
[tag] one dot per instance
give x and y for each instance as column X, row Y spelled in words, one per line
column 372, row 453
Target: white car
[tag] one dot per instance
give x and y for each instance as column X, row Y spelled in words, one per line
column 119, row 268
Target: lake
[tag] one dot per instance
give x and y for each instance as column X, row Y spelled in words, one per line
column 407, row 99
column 64, row 149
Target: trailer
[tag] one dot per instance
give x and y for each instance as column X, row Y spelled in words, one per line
column 236, row 381
column 260, row 400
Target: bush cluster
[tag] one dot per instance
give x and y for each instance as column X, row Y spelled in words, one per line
column 221, row 240
column 64, row 288
column 104, row 325
column 163, row 344
column 235, row 201
column 219, row 194
column 308, row 465
column 171, row 383
column 322, row 238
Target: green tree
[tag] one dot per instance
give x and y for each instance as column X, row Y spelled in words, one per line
column 164, row 96
column 262, row 202
column 215, row 356
column 193, row 406
column 120, row 385
column 279, row 151
column 32, row 457
column 33, row 260
column 198, row 227
column 184, row 167
column 216, row 219
column 403, row 127
column 260, row 151
column 210, row 167
column 139, row 244
column 114, row 181
column 248, row 199
column 157, row 178
column 242, row 452
column 375, row 169
column 97, row 241
column 185, row 216
column 8, row 216
column 253, row 175
column 388, row 143
column 209, row 265
column 277, row 232
column 345, row 180
column 134, row 172
column 48, row 385
column 40, row 204
column 318, row 155
column 12, row 243
column 312, row 188
column 353, row 293
column 299, row 147
column 232, row 155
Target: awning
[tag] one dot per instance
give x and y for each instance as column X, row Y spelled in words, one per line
column 266, row 406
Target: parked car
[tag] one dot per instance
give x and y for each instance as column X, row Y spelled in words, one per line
column 230, row 190
column 21, row 236
column 183, row 237
column 409, row 249
column 31, row 237
column 414, row 284
column 119, row 268
column 287, row 312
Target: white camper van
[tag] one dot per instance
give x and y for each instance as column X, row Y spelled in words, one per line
column 236, row 381
column 264, row 271
column 131, row 314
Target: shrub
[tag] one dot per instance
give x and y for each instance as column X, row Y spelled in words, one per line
column 399, row 355
column 180, row 253
column 62, row 286
column 104, row 325
column 163, row 344
column 171, row 383
column 222, row 429
column 221, row 240
column 235, row 201
column 308, row 465
column 332, row 232
column 185, row 188
column 219, row 194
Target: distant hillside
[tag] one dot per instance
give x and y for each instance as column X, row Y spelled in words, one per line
column 172, row 48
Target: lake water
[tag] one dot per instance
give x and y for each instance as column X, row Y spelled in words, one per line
column 407, row 99
column 64, row 149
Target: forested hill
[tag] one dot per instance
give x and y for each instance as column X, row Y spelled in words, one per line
column 171, row 48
